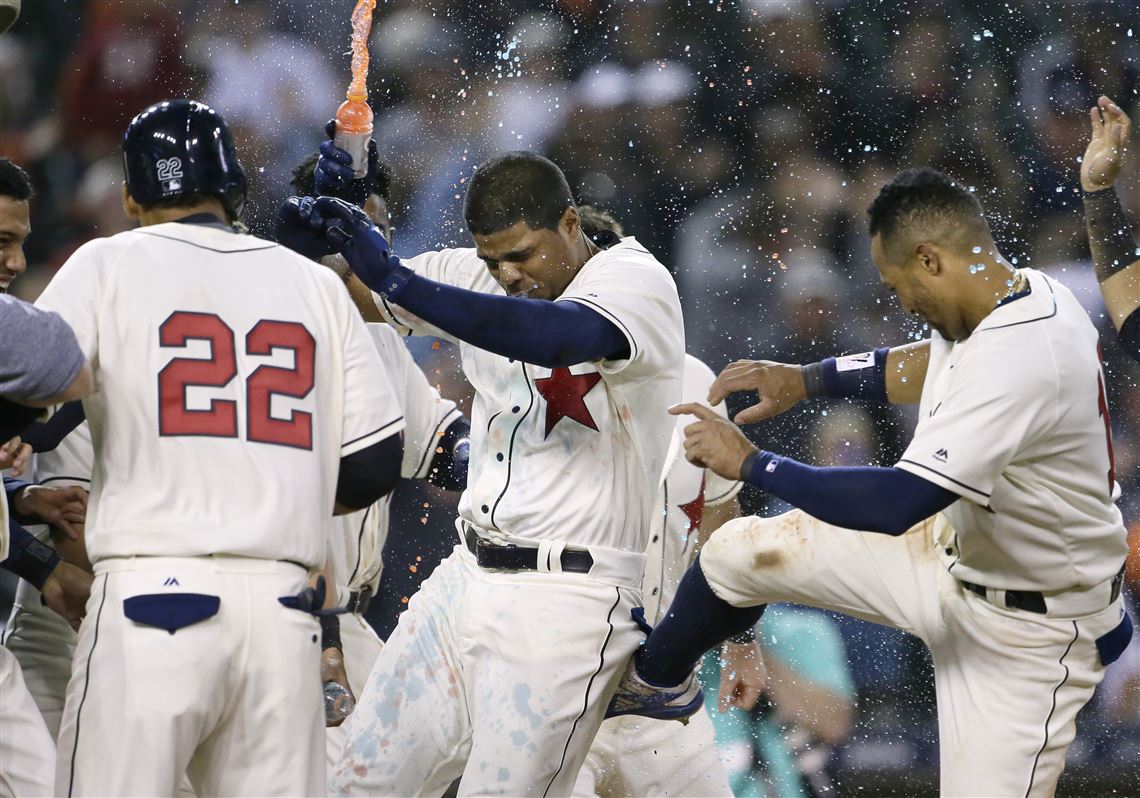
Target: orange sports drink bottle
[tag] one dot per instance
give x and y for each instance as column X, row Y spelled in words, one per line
column 353, row 130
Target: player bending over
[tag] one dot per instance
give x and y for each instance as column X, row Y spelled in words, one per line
column 501, row 667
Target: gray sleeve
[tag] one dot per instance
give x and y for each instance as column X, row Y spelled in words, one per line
column 39, row 354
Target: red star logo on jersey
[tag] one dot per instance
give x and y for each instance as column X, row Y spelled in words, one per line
column 695, row 509
column 565, row 396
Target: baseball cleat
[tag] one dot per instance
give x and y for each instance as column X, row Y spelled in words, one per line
column 635, row 696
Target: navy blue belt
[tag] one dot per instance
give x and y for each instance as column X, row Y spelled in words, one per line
column 1028, row 600
column 1033, row 601
column 509, row 557
column 358, row 600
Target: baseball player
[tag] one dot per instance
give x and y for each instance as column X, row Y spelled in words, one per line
column 1115, row 252
column 1015, row 587
column 238, row 401
column 436, row 448
column 640, row 756
column 500, row 668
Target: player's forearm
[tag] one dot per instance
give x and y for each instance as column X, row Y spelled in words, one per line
column 1110, row 235
column 535, row 331
column 823, row 713
column 906, row 372
column 1121, row 294
column 893, row 375
column 364, row 299
column 886, row 500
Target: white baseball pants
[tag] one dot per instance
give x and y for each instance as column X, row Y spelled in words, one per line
column 362, row 647
column 633, row 756
column 499, row 677
column 27, row 750
column 232, row 700
column 1009, row 683
column 44, row 645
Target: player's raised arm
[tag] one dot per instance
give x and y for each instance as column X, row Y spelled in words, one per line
column 894, row 375
column 1115, row 253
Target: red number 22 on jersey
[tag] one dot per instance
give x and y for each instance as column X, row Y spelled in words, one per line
column 220, row 419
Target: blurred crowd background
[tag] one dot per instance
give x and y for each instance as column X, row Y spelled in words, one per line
column 740, row 140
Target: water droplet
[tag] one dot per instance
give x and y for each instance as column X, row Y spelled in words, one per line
column 976, row 250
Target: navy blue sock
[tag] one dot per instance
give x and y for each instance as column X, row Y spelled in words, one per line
column 697, row 621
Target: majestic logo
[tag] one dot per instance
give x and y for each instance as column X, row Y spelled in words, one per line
column 171, row 582
column 170, row 174
column 942, row 455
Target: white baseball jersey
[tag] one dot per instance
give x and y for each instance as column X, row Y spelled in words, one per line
column 358, row 538
column 1014, row 420
column 570, row 454
column 688, row 490
column 231, row 377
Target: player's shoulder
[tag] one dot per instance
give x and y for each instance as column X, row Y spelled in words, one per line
column 384, row 335
column 629, row 265
column 1046, row 321
column 629, row 253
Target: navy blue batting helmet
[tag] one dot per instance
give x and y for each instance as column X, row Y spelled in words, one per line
column 181, row 147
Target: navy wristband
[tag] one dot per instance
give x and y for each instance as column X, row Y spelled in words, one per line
column 861, row 376
column 28, row 558
column 396, row 281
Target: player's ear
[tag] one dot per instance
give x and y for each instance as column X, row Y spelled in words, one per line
column 927, row 258
column 571, row 223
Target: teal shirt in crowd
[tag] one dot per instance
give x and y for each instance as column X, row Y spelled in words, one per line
column 808, row 643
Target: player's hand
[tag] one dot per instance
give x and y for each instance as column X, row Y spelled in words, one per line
column 14, row 455
column 357, row 238
column 295, row 232
column 713, row 442
column 332, row 670
column 1110, row 130
column 66, row 591
column 778, row 386
column 334, row 176
column 743, row 676
column 63, row 508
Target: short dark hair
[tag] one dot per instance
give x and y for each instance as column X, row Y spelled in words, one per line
column 516, row 187
column 600, row 226
column 929, row 204
column 14, row 181
column 304, row 180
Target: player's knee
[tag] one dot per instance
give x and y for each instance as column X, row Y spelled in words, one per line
column 752, row 544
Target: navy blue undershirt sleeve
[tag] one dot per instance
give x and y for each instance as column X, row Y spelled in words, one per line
column 448, row 468
column 535, row 331
column 887, row 500
column 1129, row 335
column 370, row 474
column 44, row 436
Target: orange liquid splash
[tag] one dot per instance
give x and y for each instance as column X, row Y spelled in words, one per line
column 361, row 27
